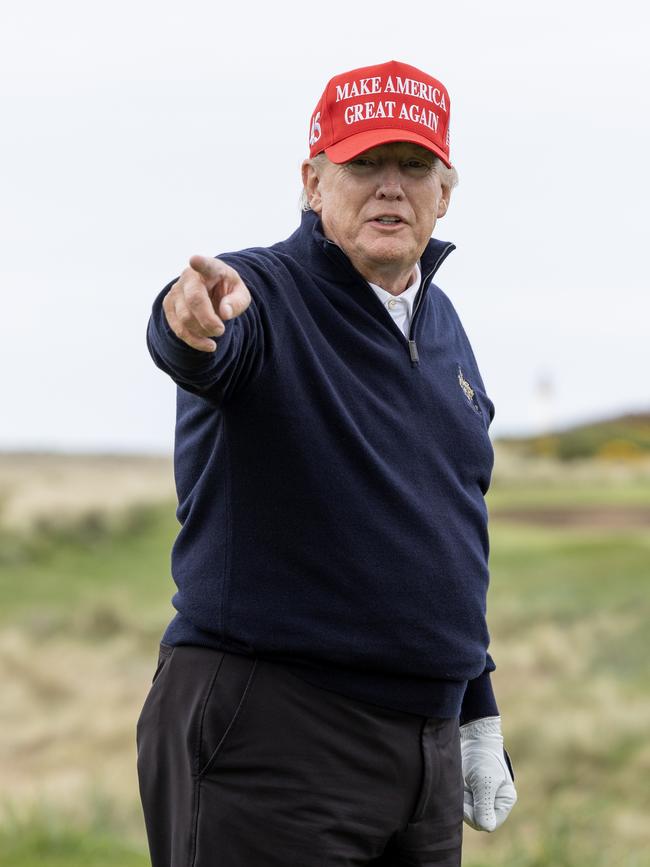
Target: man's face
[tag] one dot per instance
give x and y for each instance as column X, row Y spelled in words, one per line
column 380, row 208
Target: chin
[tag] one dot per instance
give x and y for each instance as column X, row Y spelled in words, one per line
column 392, row 254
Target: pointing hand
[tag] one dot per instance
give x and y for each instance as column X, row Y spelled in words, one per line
column 204, row 297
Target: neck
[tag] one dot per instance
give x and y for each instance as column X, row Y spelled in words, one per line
column 394, row 282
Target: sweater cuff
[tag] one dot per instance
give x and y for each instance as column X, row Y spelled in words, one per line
column 479, row 700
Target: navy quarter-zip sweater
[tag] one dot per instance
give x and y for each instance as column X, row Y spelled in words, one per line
column 331, row 476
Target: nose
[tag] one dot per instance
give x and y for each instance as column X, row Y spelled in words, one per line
column 389, row 183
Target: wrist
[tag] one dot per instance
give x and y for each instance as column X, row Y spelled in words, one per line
column 485, row 726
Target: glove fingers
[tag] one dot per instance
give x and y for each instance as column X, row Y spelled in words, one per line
column 479, row 820
column 468, row 809
column 485, row 817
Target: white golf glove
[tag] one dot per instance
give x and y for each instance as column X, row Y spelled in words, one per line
column 489, row 780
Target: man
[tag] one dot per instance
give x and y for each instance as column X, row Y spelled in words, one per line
column 323, row 694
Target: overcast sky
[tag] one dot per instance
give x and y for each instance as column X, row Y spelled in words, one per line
column 138, row 133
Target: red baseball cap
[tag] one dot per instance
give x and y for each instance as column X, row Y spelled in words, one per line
column 375, row 105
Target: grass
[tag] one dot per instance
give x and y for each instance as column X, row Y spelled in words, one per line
column 121, row 566
column 570, row 493
column 569, row 613
column 567, row 574
column 46, row 836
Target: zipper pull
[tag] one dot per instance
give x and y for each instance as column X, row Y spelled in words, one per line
column 413, row 350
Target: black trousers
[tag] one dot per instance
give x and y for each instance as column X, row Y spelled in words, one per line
column 242, row 764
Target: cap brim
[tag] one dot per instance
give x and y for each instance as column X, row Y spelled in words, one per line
column 351, row 147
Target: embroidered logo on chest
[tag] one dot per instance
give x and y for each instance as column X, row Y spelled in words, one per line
column 468, row 391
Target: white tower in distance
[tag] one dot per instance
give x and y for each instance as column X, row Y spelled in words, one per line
column 542, row 410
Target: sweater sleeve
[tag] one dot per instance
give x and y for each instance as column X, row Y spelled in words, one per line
column 479, row 700
column 217, row 375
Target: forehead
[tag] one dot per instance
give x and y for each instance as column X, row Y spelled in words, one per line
column 398, row 150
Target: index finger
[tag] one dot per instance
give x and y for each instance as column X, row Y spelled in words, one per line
column 206, row 266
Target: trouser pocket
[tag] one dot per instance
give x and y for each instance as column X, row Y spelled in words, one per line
column 194, row 702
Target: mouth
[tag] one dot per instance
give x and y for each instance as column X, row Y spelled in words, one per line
column 387, row 221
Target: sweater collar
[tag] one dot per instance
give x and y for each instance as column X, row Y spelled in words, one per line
column 322, row 252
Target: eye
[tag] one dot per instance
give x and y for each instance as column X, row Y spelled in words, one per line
column 361, row 162
column 417, row 164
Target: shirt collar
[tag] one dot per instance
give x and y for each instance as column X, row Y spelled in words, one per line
column 408, row 295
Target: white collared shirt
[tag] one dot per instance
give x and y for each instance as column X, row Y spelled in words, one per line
column 400, row 306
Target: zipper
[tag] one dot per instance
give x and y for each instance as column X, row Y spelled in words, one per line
column 412, row 345
column 410, row 340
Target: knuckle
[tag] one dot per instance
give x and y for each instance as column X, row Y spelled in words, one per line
column 195, row 298
column 190, row 290
column 185, row 317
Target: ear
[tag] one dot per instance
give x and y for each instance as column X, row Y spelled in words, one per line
column 311, row 184
column 443, row 204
